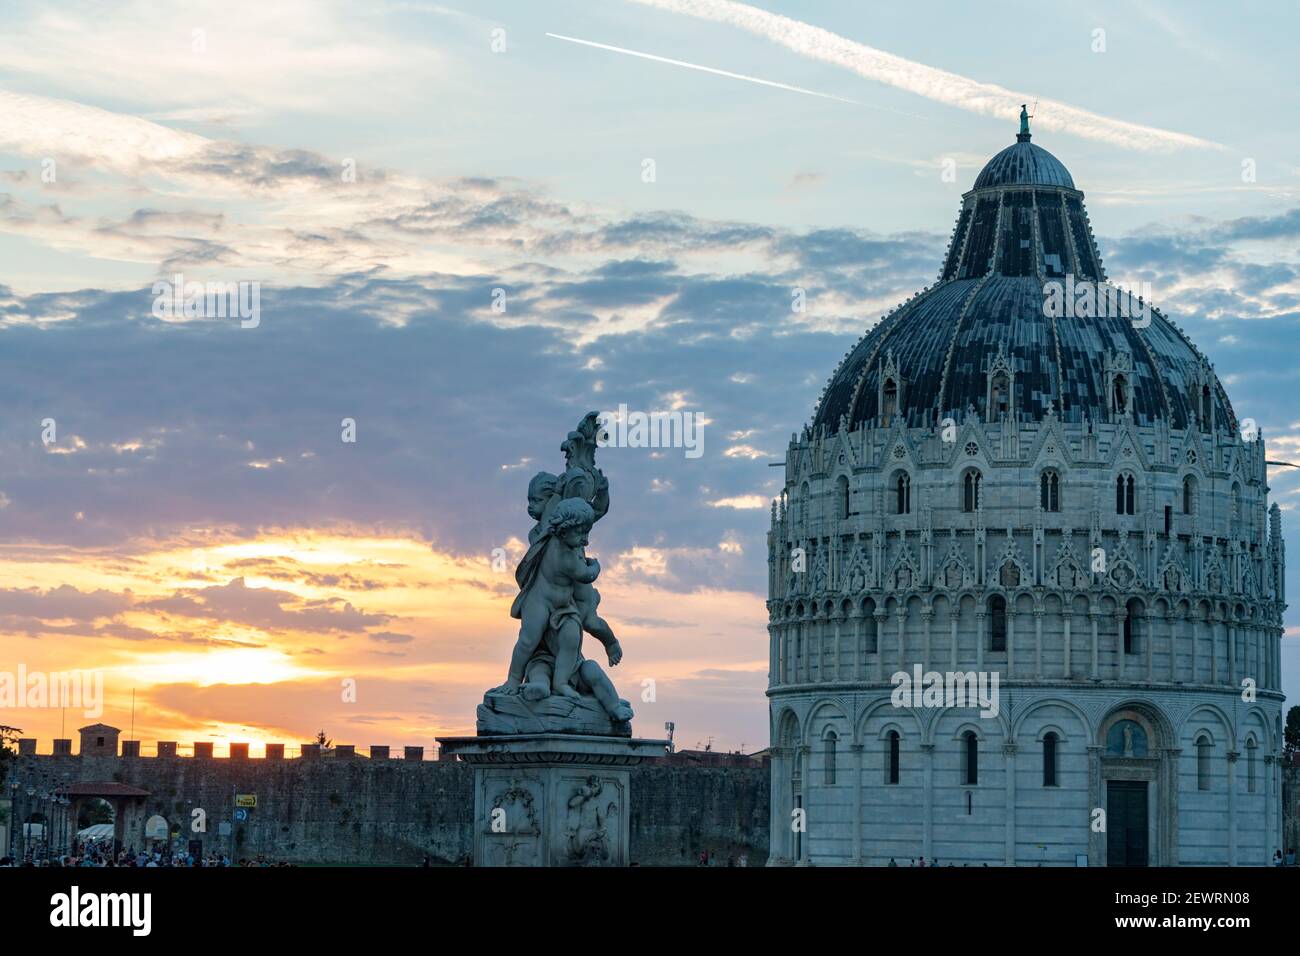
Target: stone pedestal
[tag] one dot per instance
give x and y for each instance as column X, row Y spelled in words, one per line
column 551, row 799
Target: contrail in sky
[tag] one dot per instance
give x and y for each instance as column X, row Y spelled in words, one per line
column 703, row 69
column 930, row 82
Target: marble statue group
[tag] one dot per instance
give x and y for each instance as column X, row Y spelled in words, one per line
column 550, row 687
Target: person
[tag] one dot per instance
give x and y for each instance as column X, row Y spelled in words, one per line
column 1277, row 857
column 744, row 859
column 893, row 862
column 922, row 863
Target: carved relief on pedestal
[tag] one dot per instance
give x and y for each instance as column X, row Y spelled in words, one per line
column 512, row 825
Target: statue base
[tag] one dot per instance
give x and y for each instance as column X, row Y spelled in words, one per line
column 551, row 799
column 514, row 715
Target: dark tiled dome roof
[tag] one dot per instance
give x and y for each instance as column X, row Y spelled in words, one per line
column 1023, row 226
column 1024, row 164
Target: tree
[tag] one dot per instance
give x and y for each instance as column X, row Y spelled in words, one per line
column 8, row 751
column 323, row 740
column 1291, row 733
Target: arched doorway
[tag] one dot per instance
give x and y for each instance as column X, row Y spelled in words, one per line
column 113, row 812
column 1135, row 784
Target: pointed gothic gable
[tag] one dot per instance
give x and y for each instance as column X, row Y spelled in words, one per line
column 1067, row 571
column 1008, row 568
column 1173, row 576
column 1051, row 447
column 897, row 449
column 905, row 572
column 1122, row 567
column 1127, row 447
column 970, row 434
column 955, row 571
column 857, row 575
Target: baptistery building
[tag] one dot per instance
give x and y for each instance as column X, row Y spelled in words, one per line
column 1025, row 586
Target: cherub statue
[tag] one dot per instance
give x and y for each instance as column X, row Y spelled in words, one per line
column 543, row 491
column 555, row 598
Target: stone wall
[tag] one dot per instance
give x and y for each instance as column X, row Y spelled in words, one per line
column 360, row 811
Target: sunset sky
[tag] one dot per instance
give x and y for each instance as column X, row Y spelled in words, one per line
column 199, row 531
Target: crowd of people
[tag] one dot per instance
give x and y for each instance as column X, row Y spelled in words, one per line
column 98, row 854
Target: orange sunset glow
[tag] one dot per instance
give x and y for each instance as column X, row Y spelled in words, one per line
column 232, row 640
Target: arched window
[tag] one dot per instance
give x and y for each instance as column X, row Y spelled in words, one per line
column 1120, row 394
column 1205, row 406
column 903, row 492
column 1250, row 765
column 802, row 513
column 844, row 496
column 892, row 767
column 1125, row 495
column 1236, row 501
column 830, row 741
column 889, row 395
column 997, row 623
column 1049, row 760
column 999, row 396
column 1049, row 491
column 970, row 770
column 1189, row 495
column 970, row 497
column 1203, row 750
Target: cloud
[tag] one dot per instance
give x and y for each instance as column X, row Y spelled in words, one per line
column 935, row 84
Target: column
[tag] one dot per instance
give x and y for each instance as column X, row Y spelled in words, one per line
column 1172, row 762
column 1195, row 623
column 902, row 619
column 1038, row 643
column 1009, row 752
column 953, row 614
column 1094, row 615
column 1096, row 840
column 1121, row 615
column 1011, row 642
column 856, row 618
column 880, row 644
column 1270, row 838
column 856, row 750
column 1173, row 625
column 1066, row 617
column 1149, row 638
column 927, row 814
column 1232, row 650
column 1232, row 807
column 835, row 652
column 926, row 614
column 981, row 636
column 1213, row 621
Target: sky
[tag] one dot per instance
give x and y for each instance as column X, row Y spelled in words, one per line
column 470, row 223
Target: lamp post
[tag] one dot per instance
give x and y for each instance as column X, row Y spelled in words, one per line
column 13, row 815
column 27, row 827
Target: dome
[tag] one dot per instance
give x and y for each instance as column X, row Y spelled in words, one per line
column 1024, row 164
column 1022, row 233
